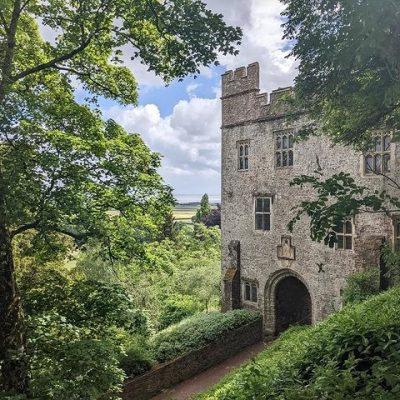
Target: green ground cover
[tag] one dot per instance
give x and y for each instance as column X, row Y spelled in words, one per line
column 354, row 354
column 197, row 331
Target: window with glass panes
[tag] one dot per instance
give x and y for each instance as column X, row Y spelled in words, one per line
column 344, row 235
column 396, row 222
column 250, row 291
column 284, row 149
column 243, row 155
column 263, row 213
column 377, row 158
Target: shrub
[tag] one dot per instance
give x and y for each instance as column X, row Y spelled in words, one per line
column 197, row 331
column 354, row 354
column 137, row 359
column 176, row 308
column 361, row 286
column 67, row 362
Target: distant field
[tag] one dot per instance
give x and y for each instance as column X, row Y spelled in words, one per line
column 184, row 214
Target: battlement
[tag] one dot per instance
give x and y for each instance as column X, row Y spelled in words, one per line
column 242, row 100
column 241, row 80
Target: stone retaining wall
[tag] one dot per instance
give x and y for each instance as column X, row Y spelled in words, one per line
column 168, row 374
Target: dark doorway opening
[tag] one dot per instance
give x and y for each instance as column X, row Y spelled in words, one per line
column 292, row 304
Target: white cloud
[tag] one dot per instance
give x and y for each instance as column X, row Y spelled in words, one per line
column 262, row 39
column 188, row 139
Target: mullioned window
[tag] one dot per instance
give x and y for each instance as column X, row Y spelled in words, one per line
column 284, row 148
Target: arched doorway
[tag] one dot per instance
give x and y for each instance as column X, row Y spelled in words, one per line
column 292, row 304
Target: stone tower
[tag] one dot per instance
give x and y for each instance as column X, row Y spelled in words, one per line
column 286, row 276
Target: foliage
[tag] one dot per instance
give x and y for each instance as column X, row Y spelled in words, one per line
column 392, row 264
column 361, row 286
column 94, row 305
column 351, row 355
column 65, row 361
column 204, row 210
column 213, row 218
column 93, row 37
column 337, row 197
column 188, row 265
column 349, row 71
column 176, row 308
column 137, row 358
column 76, row 334
column 197, row 331
column 62, row 168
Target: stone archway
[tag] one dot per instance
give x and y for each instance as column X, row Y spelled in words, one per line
column 292, row 304
column 287, row 301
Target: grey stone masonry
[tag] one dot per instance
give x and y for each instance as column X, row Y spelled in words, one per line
column 269, row 256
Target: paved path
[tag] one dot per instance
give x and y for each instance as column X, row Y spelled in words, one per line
column 209, row 377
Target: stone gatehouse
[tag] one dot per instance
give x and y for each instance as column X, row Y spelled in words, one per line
column 286, row 276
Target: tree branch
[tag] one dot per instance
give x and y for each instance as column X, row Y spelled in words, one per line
column 54, row 61
column 87, row 75
column 23, row 228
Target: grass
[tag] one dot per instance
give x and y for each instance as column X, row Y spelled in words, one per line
column 184, row 214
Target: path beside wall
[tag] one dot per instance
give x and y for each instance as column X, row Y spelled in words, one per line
column 171, row 373
column 206, row 379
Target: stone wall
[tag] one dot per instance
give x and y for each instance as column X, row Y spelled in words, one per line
column 168, row 374
column 321, row 269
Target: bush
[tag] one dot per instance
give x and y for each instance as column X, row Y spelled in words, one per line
column 361, row 286
column 197, row 331
column 176, row 308
column 354, row 354
column 67, row 362
column 137, row 359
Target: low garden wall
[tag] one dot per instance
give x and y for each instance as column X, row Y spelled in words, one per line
column 170, row 373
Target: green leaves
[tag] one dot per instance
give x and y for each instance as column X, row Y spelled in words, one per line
column 92, row 37
column 349, row 72
column 336, row 198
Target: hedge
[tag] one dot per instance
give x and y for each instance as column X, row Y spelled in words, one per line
column 354, row 354
column 197, row 331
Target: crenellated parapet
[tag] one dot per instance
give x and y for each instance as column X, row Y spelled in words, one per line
column 242, row 101
column 242, row 80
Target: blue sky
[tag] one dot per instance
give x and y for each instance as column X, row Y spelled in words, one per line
column 182, row 121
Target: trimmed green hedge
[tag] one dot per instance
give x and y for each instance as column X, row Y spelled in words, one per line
column 354, row 354
column 197, row 331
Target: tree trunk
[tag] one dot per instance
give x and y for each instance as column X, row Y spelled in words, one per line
column 13, row 363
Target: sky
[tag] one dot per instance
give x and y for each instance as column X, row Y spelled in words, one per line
column 182, row 121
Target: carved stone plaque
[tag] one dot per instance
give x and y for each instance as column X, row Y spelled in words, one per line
column 286, row 251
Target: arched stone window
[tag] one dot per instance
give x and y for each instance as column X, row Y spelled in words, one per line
column 344, row 235
column 243, row 155
column 377, row 158
column 284, row 148
column 250, row 291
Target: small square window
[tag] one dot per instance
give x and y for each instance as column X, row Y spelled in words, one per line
column 344, row 235
column 262, row 213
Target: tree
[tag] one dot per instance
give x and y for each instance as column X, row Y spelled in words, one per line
column 61, row 167
column 349, row 86
column 349, row 71
column 213, row 218
column 205, row 209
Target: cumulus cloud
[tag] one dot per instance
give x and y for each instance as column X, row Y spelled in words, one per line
column 262, row 39
column 188, row 139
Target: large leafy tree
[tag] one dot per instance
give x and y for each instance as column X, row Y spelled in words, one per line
column 61, row 167
column 349, row 70
column 349, row 85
